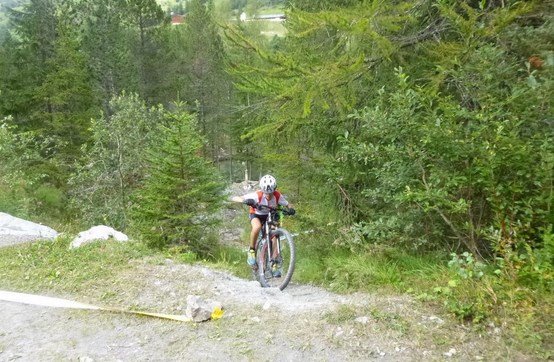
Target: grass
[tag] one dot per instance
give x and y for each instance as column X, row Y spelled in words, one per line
column 52, row 266
column 266, row 10
column 232, row 259
column 526, row 314
column 386, row 269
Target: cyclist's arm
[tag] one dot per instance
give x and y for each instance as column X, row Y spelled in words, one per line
column 283, row 201
column 237, row 199
column 248, row 199
column 286, row 206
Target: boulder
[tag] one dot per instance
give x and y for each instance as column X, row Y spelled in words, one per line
column 14, row 230
column 99, row 232
column 200, row 310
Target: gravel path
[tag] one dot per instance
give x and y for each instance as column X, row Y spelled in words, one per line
column 301, row 323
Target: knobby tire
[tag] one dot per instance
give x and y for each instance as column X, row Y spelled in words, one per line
column 265, row 276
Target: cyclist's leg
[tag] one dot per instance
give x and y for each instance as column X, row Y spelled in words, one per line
column 275, row 258
column 256, row 227
column 274, row 248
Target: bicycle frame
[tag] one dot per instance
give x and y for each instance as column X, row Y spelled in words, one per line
column 265, row 234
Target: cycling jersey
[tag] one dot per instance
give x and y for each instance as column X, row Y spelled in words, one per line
column 260, row 198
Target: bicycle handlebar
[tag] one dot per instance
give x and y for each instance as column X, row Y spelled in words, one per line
column 286, row 210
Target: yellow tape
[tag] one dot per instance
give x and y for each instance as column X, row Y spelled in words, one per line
column 217, row 313
column 64, row 303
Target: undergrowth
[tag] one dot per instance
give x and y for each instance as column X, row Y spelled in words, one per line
column 509, row 294
column 481, row 295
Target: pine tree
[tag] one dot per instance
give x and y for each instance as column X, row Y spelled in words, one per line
column 207, row 85
column 182, row 190
column 107, row 41
column 146, row 17
column 67, row 89
column 28, row 48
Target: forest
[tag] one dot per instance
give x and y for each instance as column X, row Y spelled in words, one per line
column 415, row 137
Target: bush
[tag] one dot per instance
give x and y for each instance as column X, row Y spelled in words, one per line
column 114, row 164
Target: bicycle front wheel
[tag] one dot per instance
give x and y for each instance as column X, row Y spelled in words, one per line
column 275, row 271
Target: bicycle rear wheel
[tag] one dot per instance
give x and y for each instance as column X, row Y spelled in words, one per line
column 285, row 260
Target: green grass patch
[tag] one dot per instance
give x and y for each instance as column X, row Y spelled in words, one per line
column 344, row 271
column 232, row 259
column 52, row 266
column 267, row 10
column 343, row 314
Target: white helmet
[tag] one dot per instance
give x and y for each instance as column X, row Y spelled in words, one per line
column 268, row 184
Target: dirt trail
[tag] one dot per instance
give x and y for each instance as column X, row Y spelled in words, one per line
column 301, row 323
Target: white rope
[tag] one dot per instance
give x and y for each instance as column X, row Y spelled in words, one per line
column 64, row 303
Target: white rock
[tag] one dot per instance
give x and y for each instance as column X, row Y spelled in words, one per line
column 100, row 232
column 200, row 310
column 10, row 225
column 362, row 320
column 450, row 353
column 436, row 319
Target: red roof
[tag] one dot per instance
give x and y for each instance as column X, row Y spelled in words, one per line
column 177, row 19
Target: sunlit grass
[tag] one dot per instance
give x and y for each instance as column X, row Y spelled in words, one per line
column 52, row 266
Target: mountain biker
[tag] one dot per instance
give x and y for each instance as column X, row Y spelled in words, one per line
column 268, row 196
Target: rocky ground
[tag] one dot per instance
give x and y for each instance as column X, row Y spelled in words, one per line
column 300, row 323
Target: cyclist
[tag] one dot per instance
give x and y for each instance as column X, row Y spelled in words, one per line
column 268, row 196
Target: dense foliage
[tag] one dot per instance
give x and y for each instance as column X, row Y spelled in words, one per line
column 426, row 120
column 424, row 125
column 114, row 164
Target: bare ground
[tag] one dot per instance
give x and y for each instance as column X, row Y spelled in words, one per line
column 301, row 323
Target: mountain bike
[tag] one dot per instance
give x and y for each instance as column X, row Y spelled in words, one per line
column 275, row 251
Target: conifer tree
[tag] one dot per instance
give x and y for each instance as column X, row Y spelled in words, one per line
column 146, row 17
column 206, row 84
column 67, row 89
column 418, row 66
column 181, row 191
column 107, row 41
column 26, row 53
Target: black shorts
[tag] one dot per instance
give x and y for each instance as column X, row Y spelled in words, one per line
column 262, row 218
